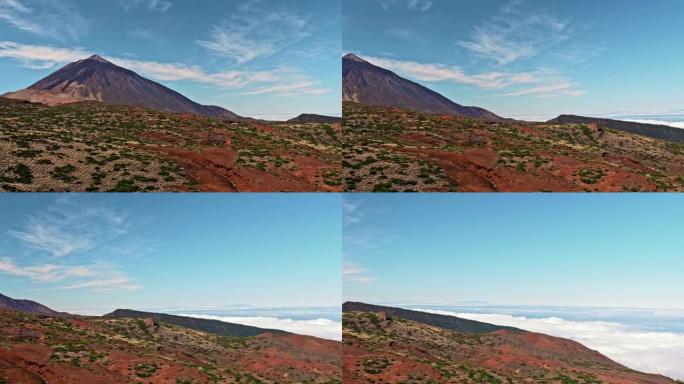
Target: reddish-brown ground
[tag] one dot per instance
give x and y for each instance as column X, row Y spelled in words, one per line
column 397, row 150
column 399, row 351
column 98, row 147
column 57, row 350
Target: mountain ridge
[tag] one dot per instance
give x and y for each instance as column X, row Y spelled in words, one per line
column 216, row 327
column 657, row 131
column 369, row 84
column 314, row 118
column 26, row 306
column 443, row 321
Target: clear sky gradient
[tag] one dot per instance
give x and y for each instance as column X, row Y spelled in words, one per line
column 106, row 251
column 263, row 58
column 608, row 250
column 530, row 58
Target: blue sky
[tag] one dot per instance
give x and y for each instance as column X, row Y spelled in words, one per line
column 105, row 251
column 609, row 250
column 530, row 58
column 263, row 58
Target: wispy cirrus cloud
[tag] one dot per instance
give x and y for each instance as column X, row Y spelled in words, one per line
column 351, row 211
column 62, row 231
column 150, row 5
column 51, row 19
column 559, row 87
column 357, row 238
column 278, row 81
column 41, row 272
column 539, row 83
column 514, row 35
column 354, row 272
column 440, row 72
column 97, row 277
column 253, row 32
column 40, row 55
column 56, row 241
column 419, row 5
column 106, row 284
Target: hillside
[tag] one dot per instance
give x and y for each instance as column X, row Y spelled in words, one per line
column 365, row 83
column 96, row 79
column 379, row 348
column 313, row 118
column 77, row 350
column 210, row 326
column 447, row 322
column 93, row 146
column 25, row 306
column 390, row 149
column 662, row 132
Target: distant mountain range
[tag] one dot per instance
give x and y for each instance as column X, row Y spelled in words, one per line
column 662, row 132
column 365, row 83
column 394, row 345
column 97, row 79
column 313, row 118
column 26, row 306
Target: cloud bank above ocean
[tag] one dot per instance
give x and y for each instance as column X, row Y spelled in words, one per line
column 660, row 352
column 323, row 328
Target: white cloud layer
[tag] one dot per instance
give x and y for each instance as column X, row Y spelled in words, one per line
column 675, row 124
column 323, row 328
column 644, row 350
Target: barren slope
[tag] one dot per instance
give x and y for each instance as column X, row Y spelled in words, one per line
column 77, row 350
column 389, row 149
column 93, row 146
column 393, row 350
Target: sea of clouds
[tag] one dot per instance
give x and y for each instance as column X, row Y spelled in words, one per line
column 319, row 327
column 676, row 124
column 648, row 349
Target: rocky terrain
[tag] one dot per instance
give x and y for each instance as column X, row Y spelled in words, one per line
column 44, row 349
column 382, row 348
column 391, row 149
column 365, row 83
column 94, row 146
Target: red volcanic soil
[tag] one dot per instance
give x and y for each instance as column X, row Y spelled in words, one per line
column 217, row 166
column 62, row 350
column 122, row 149
column 396, row 351
column 398, row 150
